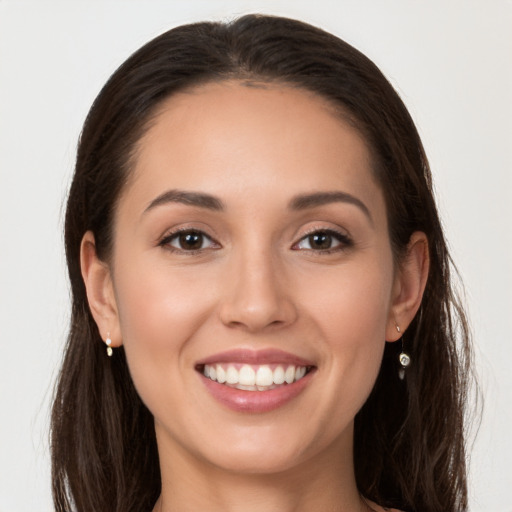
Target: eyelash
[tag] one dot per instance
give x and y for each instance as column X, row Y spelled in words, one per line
column 344, row 241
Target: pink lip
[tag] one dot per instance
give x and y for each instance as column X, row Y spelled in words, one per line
column 255, row 357
column 256, row 401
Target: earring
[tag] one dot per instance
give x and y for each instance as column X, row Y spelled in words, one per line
column 404, row 358
column 108, row 342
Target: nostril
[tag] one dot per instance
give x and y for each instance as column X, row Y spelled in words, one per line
column 256, row 299
column 271, row 315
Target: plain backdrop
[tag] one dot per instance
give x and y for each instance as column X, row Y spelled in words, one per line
column 451, row 62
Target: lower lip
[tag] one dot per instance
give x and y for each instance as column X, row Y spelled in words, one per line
column 256, row 401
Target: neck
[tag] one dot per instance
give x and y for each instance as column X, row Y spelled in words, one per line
column 324, row 483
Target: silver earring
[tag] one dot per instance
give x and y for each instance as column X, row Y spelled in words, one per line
column 404, row 358
column 108, row 342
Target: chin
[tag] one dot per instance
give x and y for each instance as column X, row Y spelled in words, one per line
column 272, row 449
column 256, row 461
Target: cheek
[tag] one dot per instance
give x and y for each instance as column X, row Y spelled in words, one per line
column 157, row 303
column 353, row 302
column 352, row 309
column 352, row 326
column 159, row 312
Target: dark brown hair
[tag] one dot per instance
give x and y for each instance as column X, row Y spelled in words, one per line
column 409, row 435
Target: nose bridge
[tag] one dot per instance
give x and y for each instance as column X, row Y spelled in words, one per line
column 257, row 297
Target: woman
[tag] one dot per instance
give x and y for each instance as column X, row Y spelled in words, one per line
column 262, row 311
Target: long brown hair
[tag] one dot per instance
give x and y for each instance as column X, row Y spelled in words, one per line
column 409, row 436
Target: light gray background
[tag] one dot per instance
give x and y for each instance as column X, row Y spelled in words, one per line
column 452, row 64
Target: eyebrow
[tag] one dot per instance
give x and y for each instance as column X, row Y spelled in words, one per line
column 189, row 198
column 305, row 201
column 297, row 203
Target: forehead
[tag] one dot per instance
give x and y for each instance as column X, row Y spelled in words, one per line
column 245, row 107
column 233, row 136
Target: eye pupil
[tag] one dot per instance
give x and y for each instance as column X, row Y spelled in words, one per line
column 320, row 241
column 191, row 240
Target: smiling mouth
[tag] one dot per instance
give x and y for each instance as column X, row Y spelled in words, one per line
column 248, row 377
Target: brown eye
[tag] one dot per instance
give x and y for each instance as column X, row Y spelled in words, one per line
column 188, row 241
column 320, row 240
column 323, row 241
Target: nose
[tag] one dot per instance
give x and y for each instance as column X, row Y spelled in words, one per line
column 258, row 297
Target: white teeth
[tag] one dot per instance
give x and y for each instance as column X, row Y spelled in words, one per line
column 279, row 375
column 254, row 378
column 221, row 374
column 232, row 375
column 245, row 388
column 300, row 372
column 264, row 376
column 247, row 376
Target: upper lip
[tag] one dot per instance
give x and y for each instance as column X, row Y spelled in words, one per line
column 255, row 357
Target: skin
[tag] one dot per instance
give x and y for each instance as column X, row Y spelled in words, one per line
column 256, row 283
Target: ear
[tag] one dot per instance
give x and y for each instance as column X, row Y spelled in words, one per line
column 410, row 280
column 100, row 290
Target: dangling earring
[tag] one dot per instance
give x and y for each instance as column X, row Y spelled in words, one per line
column 404, row 358
column 108, row 342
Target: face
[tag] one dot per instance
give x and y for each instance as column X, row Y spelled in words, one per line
column 253, row 277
